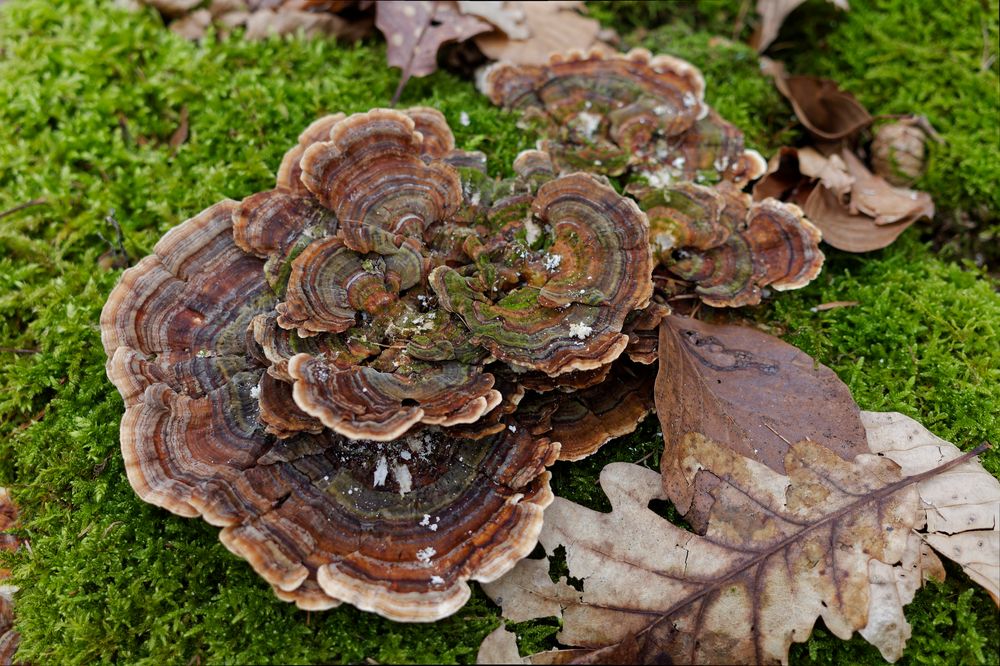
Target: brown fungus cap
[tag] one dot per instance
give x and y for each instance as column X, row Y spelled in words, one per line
column 276, row 437
column 766, row 243
column 635, row 114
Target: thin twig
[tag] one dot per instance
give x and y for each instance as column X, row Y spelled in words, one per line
column 120, row 243
column 19, row 350
column 28, row 204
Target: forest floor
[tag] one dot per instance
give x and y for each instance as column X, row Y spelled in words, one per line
column 92, row 96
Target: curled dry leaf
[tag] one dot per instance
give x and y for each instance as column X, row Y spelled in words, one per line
column 414, row 31
column 773, row 14
column 829, row 113
column 508, row 17
column 899, row 149
column 856, row 210
column 780, row 551
column 550, row 27
column 752, row 393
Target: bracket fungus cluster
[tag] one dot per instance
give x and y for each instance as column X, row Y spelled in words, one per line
column 644, row 118
column 333, row 370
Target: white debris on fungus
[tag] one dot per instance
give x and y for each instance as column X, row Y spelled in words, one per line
column 381, row 471
column 403, row 477
column 580, row 331
column 424, row 556
column 552, row 261
column 437, row 580
column 589, row 122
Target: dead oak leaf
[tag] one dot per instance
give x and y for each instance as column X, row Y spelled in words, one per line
column 961, row 505
column 780, row 551
column 749, row 391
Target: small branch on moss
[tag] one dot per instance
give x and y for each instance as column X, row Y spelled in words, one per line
column 19, row 350
column 119, row 255
column 28, row 204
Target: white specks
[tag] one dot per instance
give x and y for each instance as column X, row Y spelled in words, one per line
column 661, row 110
column 689, row 100
column 721, row 163
column 463, row 119
column 598, row 162
column 437, row 580
column 255, row 392
column 402, row 475
column 424, row 556
column 426, row 520
column 381, row 471
column 552, row 261
column 678, row 163
column 531, row 231
column 512, row 427
column 203, row 353
column 660, row 178
column 580, row 331
column 405, row 455
column 397, row 39
column 589, row 122
column 410, row 10
column 475, row 198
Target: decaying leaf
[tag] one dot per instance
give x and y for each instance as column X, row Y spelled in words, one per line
column 414, row 31
column 752, row 393
column 856, row 210
column 780, row 551
column 773, row 13
column 508, row 17
column 499, row 647
column 826, row 111
column 552, row 27
column 962, row 505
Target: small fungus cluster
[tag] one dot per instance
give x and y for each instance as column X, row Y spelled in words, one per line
column 362, row 374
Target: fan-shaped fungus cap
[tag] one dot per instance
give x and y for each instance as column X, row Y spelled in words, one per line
column 586, row 419
column 616, row 113
column 560, row 310
column 232, row 417
column 767, row 243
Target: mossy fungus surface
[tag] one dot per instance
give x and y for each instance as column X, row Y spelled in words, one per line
column 92, row 98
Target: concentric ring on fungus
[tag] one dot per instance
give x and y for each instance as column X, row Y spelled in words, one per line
column 632, row 113
column 309, row 368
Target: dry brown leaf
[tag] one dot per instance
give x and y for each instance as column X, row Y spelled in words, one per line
column 266, row 22
column 856, row 210
column 414, row 31
column 826, row 111
column 773, row 14
column 508, row 17
column 962, row 505
column 499, row 647
column 780, row 551
column 555, row 27
column 192, row 26
column 749, row 391
column 873, row 196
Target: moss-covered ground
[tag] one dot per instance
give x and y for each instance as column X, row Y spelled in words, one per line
column 90, row 99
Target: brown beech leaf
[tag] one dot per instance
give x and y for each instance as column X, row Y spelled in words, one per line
column 555, row 27
column 416, row 30
column 751, row 392
column 781, row 551
column 826, row 111
column 856, row 210
column 773, row 14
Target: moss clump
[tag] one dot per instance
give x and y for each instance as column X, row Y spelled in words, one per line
column 93, row 97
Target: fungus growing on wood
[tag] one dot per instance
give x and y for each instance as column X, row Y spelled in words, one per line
column 289, row 374
column 631, row 113
column 729, row 247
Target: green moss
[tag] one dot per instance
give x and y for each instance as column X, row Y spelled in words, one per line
column 93, row 96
